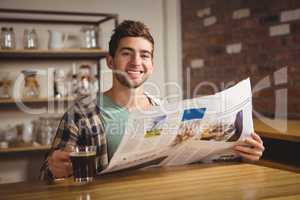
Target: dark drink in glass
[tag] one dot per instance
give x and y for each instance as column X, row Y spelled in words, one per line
column 84, row 163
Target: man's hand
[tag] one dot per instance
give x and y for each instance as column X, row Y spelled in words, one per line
column 60, row 164
column 254, row 149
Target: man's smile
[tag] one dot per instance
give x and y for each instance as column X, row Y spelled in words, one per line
column 133, row 74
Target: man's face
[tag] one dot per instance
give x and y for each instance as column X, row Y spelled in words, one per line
column 132, row 63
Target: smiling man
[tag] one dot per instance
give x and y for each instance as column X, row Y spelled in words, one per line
column 102, row 121
column 133, row 59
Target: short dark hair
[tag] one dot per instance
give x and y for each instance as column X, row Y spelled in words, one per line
column 129, row 28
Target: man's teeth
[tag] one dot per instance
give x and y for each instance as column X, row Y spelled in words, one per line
column 134, row 72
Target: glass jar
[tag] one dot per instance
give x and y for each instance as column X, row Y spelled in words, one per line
column 31, row 87
column 60, row 89
column 85, row 80
column 90, row 37
column 5, row 85
column 7, row 38
column 30, row 39
column 47, row 127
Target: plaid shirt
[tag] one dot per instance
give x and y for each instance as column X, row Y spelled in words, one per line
column 82, row 125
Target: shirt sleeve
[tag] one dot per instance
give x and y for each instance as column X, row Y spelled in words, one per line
column 66, row 134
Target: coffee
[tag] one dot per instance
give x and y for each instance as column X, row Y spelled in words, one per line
column 84, row 166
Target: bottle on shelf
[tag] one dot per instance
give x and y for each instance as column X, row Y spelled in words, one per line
column 8, row 38
column 85, row 80
column 71, row 82
column 31, row 87
column 30, row 39
column 90, row 38
column 5, row 85
column 59, row 84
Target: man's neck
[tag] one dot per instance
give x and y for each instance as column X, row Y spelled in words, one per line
column 128, row 98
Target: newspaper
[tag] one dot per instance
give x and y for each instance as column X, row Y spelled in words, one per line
column 195, row 130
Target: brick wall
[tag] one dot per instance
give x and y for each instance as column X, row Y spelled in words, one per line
column 227, row 41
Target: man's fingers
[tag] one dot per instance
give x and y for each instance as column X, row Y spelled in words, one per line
column 60, row 173
column 61, row 155
column 248, row 156
column 60, row 164
column 254, row 144
column 256, row 137
column 248, row 150
column 60, row 170
column 253, row 151
column 69, row 148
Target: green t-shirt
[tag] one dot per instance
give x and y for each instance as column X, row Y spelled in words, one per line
column 115, row 119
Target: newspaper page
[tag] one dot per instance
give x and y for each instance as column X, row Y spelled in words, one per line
column 194, row 130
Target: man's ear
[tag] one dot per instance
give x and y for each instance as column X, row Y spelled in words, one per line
column 109, row 61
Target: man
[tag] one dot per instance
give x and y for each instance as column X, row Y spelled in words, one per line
column 90, row 123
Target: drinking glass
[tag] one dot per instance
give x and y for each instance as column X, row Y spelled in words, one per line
column 83, row 160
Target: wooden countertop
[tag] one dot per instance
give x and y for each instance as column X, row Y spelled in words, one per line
column 292, row 133
column 222, row 181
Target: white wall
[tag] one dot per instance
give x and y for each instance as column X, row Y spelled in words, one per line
column 173, row 50
column 163, row 19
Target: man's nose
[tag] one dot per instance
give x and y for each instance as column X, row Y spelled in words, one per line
column 136, row 59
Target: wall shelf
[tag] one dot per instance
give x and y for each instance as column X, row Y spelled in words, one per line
column 53, row 54
column 35, row 100
column 24, row 149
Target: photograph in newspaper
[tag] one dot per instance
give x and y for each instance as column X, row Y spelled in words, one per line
column 156, row 128
column 204, row 139
column 191, row 123
column 228, row 132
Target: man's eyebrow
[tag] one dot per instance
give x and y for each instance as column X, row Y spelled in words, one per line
column 146, row 51
column 131, row 49
column 126, row 48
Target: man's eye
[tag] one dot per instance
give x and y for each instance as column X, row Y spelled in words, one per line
column 146, row 56
column 125, row 53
